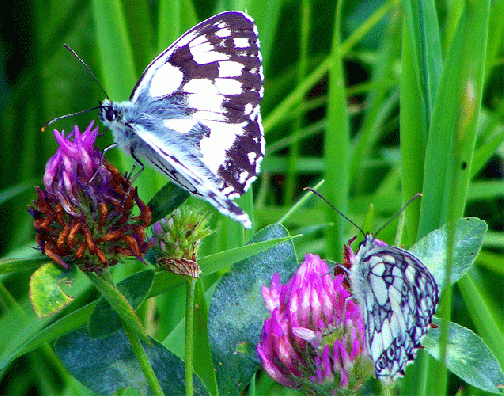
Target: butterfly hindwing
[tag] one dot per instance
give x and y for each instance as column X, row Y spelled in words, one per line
column 178, row 165
column 398, row 296
column 195, row 112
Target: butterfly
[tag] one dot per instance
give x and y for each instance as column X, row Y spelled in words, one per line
column 397, row 296
column 194, row 114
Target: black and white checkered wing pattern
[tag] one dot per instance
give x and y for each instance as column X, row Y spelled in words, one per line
column 398, row 297
column 195, row 112
column 213, row 74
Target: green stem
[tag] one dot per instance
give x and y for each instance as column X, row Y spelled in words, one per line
column 143, row 361
column 118, row 302
column 103, row 280
column 189, row 324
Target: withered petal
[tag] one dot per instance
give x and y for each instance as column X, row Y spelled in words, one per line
column 73, row 232
column 60, row 241
column 55, row 257
column 80, row 252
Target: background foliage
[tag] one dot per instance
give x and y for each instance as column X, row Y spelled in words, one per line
column 416, row 107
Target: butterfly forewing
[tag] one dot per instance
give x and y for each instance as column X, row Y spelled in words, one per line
column 214, row 70
column 196, row 110
column 398, row 296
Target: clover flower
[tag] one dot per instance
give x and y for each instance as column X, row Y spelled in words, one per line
column 176, row 239
column 83, row 216
column 314, row 337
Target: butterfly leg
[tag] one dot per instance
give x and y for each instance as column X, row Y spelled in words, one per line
column 349, row 298
column 345, row 269
column 112, row 146
column 130, row 177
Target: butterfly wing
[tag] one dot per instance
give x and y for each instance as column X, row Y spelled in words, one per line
column 179, row 165
column 398, row 296
column 208, row 86
column 195, row 112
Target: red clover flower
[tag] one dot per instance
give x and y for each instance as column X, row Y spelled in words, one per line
column 314, row 337
column 83, row 217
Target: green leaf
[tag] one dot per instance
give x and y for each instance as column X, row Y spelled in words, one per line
column 105, row 365
column 166, row 200
column 423, row 31
column 166, row 280
column 163, row 281
column 414, row 129
column 10, row 265
column 452, row 132
column 34, row 335
column 118, row 70
column 221, row 260
column 104, row 320
column 14, row 191
column 237, row 311
column 485, row 315
column 337, row 147
column 266, row 15
column 467, row 356
column 46, row 294
column 432, row 249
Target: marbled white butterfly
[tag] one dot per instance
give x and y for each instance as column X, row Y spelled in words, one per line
column 195, row 112
column 397, row 296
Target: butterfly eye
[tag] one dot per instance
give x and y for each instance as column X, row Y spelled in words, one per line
column 110, row 113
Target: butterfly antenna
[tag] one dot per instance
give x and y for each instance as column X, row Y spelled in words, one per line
column 83, row 111
column 87, row 68
column 332, row 206
column 398, row 213
column 66, row 116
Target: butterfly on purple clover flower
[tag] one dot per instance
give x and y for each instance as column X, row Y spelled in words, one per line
column 397, row 296
column 194, row 114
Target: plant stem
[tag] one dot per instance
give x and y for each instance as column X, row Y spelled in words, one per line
column 143, row 361
column 134, row 341
column 189, row 323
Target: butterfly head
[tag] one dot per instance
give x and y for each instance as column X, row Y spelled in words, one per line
column 371, row 240
column 115, row 116
column 108, row 112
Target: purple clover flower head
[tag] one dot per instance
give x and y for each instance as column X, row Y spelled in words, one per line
column 83, row 216
column 314, row 337
column 75, row 164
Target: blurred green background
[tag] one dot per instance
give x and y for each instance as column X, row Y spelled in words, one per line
column 319, row 124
